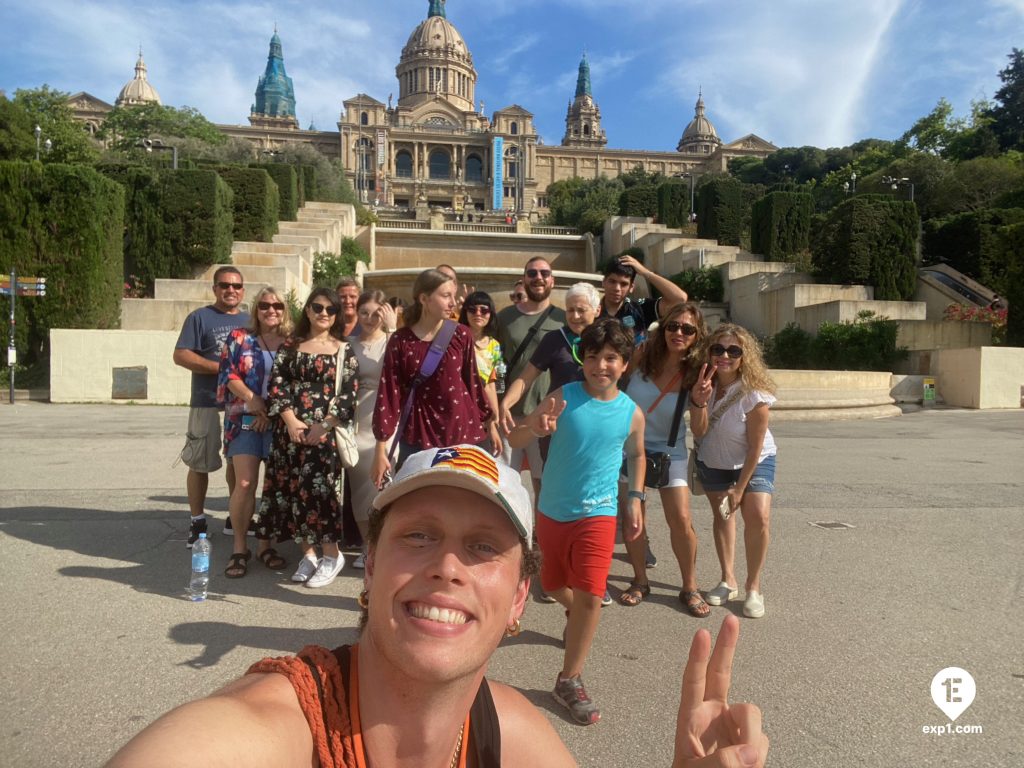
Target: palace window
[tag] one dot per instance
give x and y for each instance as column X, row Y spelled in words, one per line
column 513, row 128
column 364, row 119
column 403, row 165
column 474, row 168
column 440, row 164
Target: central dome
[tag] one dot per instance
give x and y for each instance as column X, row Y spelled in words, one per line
column 436, row 63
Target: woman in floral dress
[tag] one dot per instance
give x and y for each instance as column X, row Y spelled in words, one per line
column 300, row 492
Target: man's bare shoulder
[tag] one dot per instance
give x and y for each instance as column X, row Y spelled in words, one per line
column 527, row 738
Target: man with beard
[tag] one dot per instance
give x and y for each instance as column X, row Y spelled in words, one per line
column 520, row 329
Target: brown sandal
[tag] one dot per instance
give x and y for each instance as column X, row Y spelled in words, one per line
column 635, row 593
column 695, row 604
column 238, row 565
column 272, row 560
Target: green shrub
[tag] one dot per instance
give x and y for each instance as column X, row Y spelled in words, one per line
column 704, row 284
column 198, row 223
column 1012, row 242
column 329, row 267
column 870, row 240
column 673, row 203
column 255, row 204
column 64, row 223
column 780, row 225
column 789, row 348
column 720, row 210
column 287, row 181
column 970, row 243
column 307, row 183
column 639, row 200
column 865, row 344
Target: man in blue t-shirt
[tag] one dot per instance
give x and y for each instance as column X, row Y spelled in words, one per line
column 198, row 349
column 636, row 314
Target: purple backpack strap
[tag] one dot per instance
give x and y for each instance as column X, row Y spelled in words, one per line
column 427, row 368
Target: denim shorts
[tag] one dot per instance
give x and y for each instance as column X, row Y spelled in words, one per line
column 716, row 480
column 250, row 443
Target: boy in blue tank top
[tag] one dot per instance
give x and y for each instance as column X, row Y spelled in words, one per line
column 590, row 422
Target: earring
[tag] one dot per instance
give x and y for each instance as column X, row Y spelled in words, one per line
column 514, row 628
column 364, row 600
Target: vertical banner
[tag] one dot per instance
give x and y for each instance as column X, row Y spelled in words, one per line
column 382, row 147
column 498, row 165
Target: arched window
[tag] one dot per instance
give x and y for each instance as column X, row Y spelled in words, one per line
column 513, row 128
column 403, row 164
column 364, row 119
column 440, row 164
column 474, row 168
column 364, row 153
column 586, row 129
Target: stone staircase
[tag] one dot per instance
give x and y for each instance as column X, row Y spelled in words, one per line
column 285, row 263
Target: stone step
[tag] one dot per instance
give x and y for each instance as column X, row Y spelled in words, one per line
column 157, row 314
column 192, row 290
column 285, row 249
column 299, row 265
column 313, row 243
column 282, row 278
column 810, row 317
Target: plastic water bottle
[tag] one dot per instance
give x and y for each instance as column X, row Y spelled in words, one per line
column 500, row 369
column 200, row 569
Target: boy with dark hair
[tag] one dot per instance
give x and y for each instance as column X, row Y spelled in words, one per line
column 636, row 314
column 590, row 422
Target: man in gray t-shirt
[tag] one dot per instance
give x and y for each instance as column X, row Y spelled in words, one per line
column 198, row 349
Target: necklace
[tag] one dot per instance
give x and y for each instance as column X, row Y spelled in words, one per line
column 458, row 747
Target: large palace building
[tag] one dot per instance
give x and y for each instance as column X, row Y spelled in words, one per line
column 436, row 145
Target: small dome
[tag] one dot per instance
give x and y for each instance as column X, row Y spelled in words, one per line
column 436, row 35
column 138, row 90
column 700, row 130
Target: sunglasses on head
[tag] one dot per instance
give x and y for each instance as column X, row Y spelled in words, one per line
column 685, row 328
column 479, row 309
column 266, row 305
column 717, row 350
column 224, row 286
column 534, row 273
column 319, row 308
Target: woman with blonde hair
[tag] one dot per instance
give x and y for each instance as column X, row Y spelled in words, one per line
column 245, row 365
column 736, row 454
column 665, row 367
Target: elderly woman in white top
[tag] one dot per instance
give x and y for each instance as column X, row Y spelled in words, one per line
column 736, row 455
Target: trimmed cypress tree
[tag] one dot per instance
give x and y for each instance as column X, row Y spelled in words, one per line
column 255, row 204
column 970, row 242
column 780, row 225
column 287, row 181
column 673, row 203
column 720, row 210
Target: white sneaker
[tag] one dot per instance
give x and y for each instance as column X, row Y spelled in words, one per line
column 359, row 562
column 722, row 594
column 326, row 572
column 307, row 567
column 753, row 606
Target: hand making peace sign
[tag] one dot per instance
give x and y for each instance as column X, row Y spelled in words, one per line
column 700, row 393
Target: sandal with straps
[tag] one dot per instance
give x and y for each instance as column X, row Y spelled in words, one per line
column 635, row 593
column 272, row 560
column 695, row 604
column 238, row 565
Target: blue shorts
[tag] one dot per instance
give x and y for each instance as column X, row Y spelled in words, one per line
column 717, row 480
column 249, row 443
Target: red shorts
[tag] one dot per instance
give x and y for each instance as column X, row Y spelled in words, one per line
column 577, row 554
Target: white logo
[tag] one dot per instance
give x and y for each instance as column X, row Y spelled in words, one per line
column 953, row 690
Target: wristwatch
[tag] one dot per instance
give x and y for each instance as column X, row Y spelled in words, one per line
column 637, row 495
column 326, row 425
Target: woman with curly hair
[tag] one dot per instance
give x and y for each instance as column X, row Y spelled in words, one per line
column 664, row 369
column 736, row 454
column 300, row 492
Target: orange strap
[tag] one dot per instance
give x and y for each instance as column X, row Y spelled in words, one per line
column 668, row 388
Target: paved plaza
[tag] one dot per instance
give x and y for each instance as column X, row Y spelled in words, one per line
column 99, row 638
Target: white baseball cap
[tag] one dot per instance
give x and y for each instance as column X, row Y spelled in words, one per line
column 470, row 468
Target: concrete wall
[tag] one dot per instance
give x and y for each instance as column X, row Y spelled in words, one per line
column 942, row 334
column 82, row 365
column 980, row 377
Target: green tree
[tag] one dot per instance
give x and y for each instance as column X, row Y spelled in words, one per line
column 584, row 203
column 1008, row 113
column 48, row 108
column 127, row 125
column 933, row 132
column 16, row 139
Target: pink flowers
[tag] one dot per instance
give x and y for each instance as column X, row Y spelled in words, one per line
column 996, row 317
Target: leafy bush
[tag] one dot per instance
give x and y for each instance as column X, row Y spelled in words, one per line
column 970, row 243
column 994, row 317
column 255, row 204
column 328, row 267
column 674, row 203
column 780, row 225
column 64, row 223
column 1012, row 239
column 789, row 348
column 639, row 200
column 704, row 284
column 865, row 344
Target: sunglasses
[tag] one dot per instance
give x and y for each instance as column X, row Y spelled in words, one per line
column 277, row 306
column 717, row 350
column 534, row 273
column 319, row 308
column 685, row 328
column 225, row 286
column 479, row 309
column 517, row 296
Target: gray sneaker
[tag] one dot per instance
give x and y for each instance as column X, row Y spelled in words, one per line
column 570, row 693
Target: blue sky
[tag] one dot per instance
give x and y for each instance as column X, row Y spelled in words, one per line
column 795, row 72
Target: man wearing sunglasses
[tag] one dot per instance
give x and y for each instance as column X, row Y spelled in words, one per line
column 198, row 350
column 636, row 314
column 520, row 328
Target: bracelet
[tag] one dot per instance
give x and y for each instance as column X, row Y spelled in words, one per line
column 534, row 433
column 695, row 405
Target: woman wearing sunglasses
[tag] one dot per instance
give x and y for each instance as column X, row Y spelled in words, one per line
column 479, row 316
column 245, row 365
column 736, row 456
column 665, row 367
column 300, row 499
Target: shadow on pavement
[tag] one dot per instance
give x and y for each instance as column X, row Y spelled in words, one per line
column 220, row 638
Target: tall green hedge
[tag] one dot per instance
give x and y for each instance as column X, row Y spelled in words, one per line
column 673, row 203
column 780, row 225
column 308, row 182
column 1011, row 239
column 970, row 243
column 287, row 181
column 870, row 240
column 64, row 223
column 255, row 204
column 720, row 210
column 639, row 200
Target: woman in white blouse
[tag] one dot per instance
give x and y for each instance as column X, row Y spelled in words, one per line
column 736, row 455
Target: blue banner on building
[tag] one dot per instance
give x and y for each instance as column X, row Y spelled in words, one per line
column 497, row 159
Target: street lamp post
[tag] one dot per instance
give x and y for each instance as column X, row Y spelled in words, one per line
column 896, row 183
column 150, row 144
column 38, row 132
column 690, row 176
